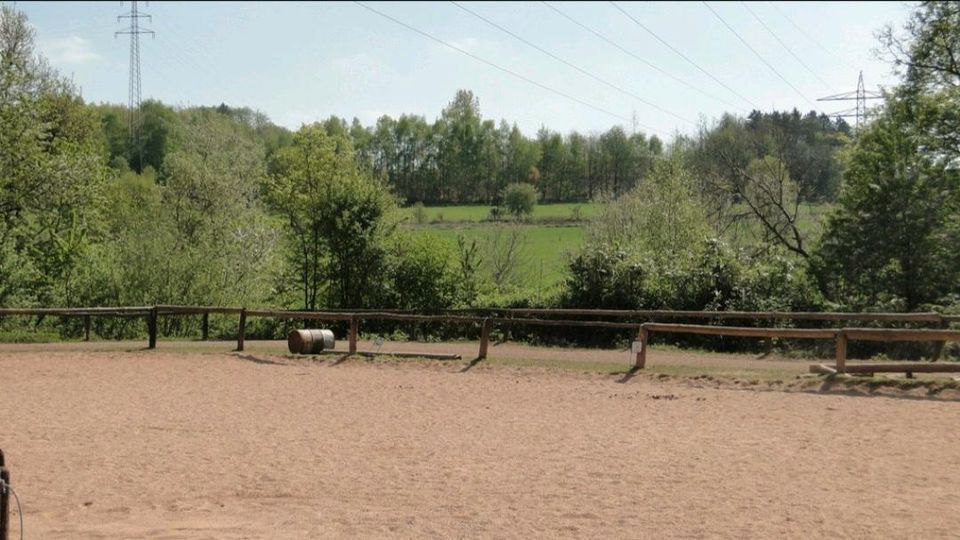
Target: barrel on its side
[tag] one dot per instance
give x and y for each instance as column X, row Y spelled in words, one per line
column 310, row 341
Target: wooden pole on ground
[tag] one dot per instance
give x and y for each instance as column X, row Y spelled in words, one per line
column 641, row 359
column 86, row 328
column 152, row 328
column 841, row 350
column 242, row 330
column 205, row 326
column 354, row 329
column 485, row 338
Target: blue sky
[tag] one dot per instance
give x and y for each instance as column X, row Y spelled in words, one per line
column 300, row 62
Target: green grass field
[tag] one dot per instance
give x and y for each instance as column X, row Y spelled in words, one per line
column 543, row 263
column 480, row 212
column 547, row 247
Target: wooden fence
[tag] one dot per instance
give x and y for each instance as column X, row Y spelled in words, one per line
column 840, row 336
column 488, row 318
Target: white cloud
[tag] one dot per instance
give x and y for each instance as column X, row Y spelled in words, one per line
column 70, row 50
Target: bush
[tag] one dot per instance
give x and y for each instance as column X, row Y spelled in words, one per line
column 421, row 274
column 520, row 198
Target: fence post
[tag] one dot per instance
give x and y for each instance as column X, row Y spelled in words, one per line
column 205, row 326
column 841, row 351
column 353, row 334
column 4, row 499
column 152, row 328
column 242, row 330
column 938, row 345
column 86, row 328
column 641, row 360
column 484, row 338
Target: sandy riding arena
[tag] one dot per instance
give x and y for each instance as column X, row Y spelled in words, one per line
column 118, row 444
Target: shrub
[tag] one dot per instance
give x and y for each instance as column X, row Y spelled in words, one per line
column 520, row 198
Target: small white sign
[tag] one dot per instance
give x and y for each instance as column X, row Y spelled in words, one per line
column 637, row 347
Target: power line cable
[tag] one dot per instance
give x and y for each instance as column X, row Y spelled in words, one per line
column 637, row 57
column 758, row 55
column 784, row 45
column 500, row 68
column 570, row 64
column 808, row 36
column 681, row 55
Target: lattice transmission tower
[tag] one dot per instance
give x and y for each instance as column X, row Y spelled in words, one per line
column 133, row 103
column 860, row 95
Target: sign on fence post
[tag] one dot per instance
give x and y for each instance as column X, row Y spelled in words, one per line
column 639, row 349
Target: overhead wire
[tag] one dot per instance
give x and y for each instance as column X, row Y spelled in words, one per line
column 758, row 55
column 784, row 45
column 501, row 68
column 681, row 55
column 808, row 36
column 194, row 57
column 637, row 57
column 571, row 65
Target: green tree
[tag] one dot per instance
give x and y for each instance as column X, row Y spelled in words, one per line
column 51, row 173
column 460, row 148
column 649, row 249
column 336, row 217
column 201, row 237
column 159, row 125
column 927, row 52
column 520, row 199
column 892, row 241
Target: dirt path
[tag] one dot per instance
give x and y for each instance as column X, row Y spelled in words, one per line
column 185, row 445
column 467, row 350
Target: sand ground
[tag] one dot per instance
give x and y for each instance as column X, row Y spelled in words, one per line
column 178, row 445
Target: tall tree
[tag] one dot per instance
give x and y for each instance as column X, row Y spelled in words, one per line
column 892, row 241
column 51, row 173
column 336, row 218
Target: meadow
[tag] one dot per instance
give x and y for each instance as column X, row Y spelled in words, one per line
column 555, row 231
column 545, row 253
column 474, row 213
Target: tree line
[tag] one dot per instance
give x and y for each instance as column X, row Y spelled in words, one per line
column 462, row 158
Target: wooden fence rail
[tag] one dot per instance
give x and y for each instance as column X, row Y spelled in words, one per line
column 507, row 317
column 916, row 317
column 840, row 336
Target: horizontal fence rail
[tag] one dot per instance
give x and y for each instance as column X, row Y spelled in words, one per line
column 840, row 336
column 756, row 315
column 742, row 331
column 79, row 312
column 487, row 318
